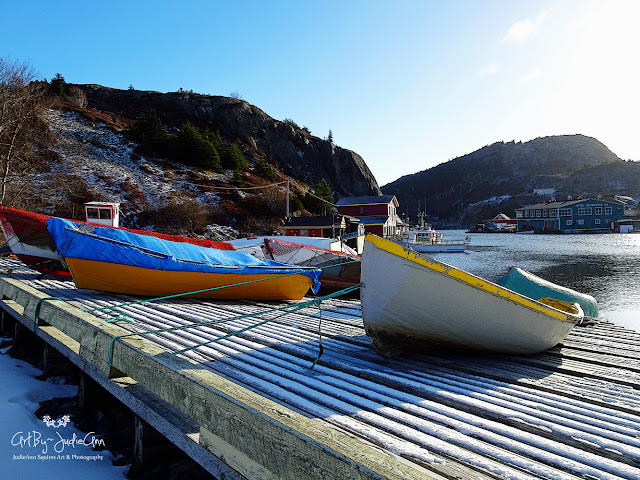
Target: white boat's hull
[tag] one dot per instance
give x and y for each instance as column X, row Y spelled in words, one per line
column 409, row 297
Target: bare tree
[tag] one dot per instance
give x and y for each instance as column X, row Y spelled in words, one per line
column 20, row 103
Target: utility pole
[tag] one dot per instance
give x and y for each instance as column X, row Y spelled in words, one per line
column 287, row 197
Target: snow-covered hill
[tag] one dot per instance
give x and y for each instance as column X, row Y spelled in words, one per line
column 103, row 162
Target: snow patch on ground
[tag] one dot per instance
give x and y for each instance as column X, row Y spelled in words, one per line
column 34, row 448
column 107, row 162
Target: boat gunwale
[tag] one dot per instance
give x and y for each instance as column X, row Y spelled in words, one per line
column 470, row 279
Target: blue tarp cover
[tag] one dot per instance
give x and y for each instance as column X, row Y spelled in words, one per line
column 112, row 245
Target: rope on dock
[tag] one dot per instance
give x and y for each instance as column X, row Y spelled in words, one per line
column 285, row 309
column 123, row 315
column 36, row 316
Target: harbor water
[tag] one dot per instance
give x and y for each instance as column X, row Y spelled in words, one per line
column 606, row 266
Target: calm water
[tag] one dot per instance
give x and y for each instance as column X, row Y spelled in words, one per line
column 606, row 266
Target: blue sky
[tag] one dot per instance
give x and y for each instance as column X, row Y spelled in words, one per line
column 407, row 84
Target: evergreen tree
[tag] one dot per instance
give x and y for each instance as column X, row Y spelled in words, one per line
column 150, row 132
column 322, row 199
column 232, row 159
column 263, row 170
column 58, row 87
column 191, row 147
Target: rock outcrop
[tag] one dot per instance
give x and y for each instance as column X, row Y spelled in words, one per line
column 293, row 150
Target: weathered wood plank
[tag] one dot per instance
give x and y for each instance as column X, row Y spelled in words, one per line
column 217, row 404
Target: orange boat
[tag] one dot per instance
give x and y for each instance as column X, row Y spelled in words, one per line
column 27, row 235
column 119, row 261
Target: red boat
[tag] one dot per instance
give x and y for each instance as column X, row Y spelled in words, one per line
column 27, row 235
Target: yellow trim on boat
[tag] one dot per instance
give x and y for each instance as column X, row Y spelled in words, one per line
column 570, row 307
column 477, row 282
column 118, row 278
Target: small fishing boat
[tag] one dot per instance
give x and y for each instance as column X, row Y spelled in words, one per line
column 430, row 241
column 114, row 260
column 255, row 245
column 533, row 286
column 410, row 299
column 339, row 270
column 27, row 236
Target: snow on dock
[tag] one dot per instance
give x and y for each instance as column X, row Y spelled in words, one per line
column 571, row 412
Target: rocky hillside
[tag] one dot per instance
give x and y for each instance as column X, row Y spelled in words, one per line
column 503, row 176
column 294, row 151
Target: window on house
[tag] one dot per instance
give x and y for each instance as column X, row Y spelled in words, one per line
column 545, row 212
column 608, row 210
column 581, row 211
column 588, row 211
column 581, row 221
column 597, row 221
column 526, row 214
column 553, row 212
column 565, row 212
column 518, row 213
column 598, row 210
column 538, row 213
column 569, row 222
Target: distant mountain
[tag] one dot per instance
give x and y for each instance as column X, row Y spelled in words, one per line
column 503, row 176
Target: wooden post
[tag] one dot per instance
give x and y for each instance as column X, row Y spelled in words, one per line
column 54, row 363
column 20, row 335
column 89, row 392
column 153, row 452
column 6, row 324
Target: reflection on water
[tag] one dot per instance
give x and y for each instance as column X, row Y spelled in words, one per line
column 606, row 266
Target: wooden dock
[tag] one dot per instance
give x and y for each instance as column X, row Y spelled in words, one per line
column 251, row 406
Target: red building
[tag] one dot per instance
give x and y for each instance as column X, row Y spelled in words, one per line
column 330, row 226
column 500, row 222
column 377, row 214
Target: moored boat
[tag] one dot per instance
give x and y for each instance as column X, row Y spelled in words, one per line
column 430, row 241
column 408, row 298
column 27, row 236
column 339, row 270
column 114, row 260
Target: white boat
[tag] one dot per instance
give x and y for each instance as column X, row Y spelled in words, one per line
column 253, row 245
column 408, row 298
column 339, row 270
column 430, row 241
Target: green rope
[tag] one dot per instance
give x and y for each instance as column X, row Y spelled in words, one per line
column 288, row 308
column 189, row 293
column 37, row 312
column 321, row 348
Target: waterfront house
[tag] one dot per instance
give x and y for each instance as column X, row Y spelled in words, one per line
column 571, row 216
column 329, row 226
column 376, row 213
column 500, row 223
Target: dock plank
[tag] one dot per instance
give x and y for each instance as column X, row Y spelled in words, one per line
column 245, row 378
